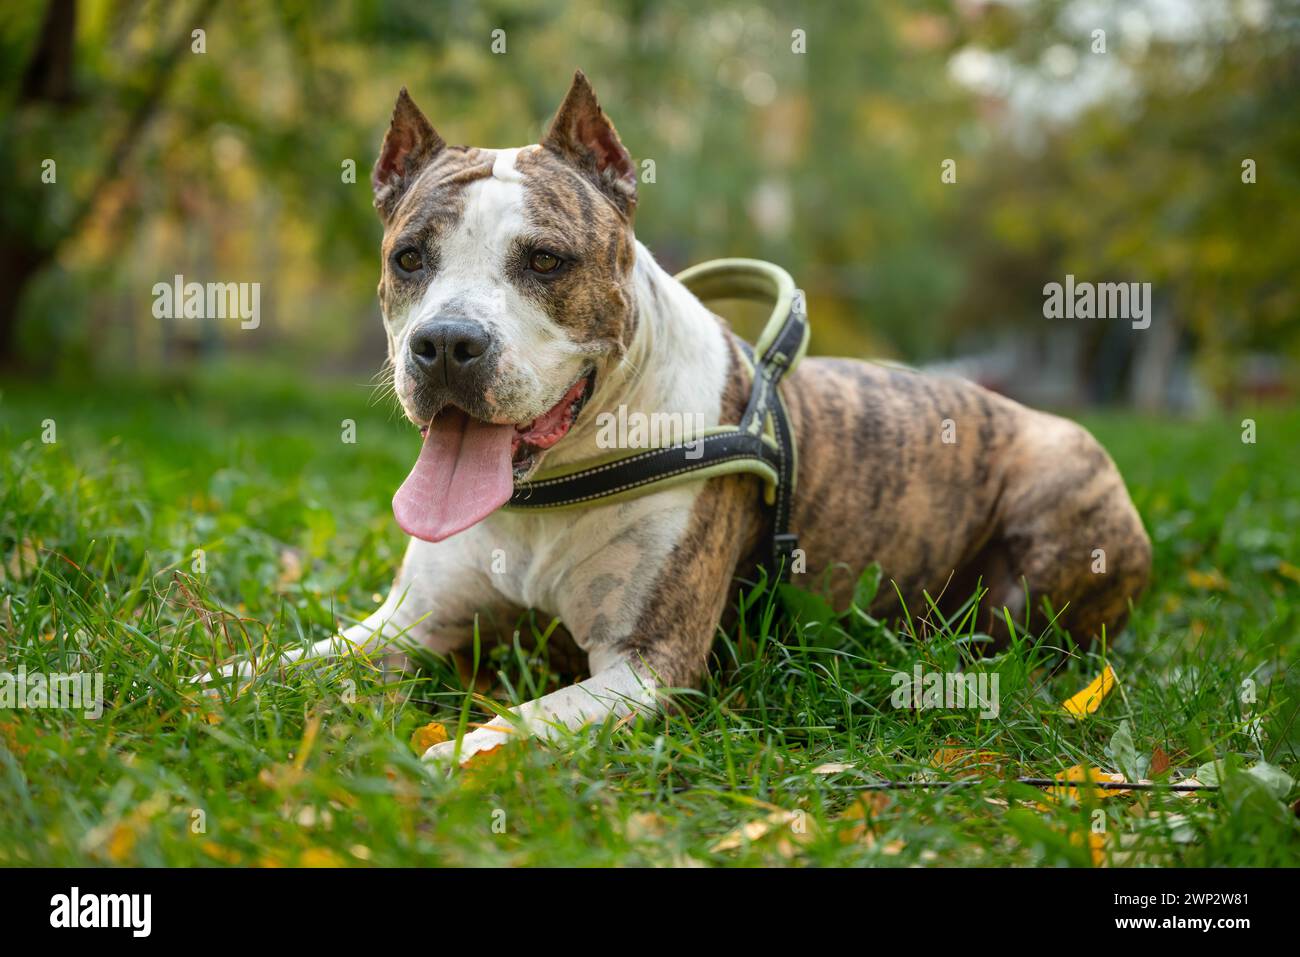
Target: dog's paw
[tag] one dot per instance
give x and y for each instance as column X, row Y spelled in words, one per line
column 209, row 681
column 476, row 742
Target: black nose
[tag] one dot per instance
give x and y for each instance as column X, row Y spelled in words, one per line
column 444, row 348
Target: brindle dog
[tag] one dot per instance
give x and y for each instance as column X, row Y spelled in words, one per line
column 518, row 305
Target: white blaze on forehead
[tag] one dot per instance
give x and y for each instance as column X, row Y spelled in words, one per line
column 503, row 167
column 477, row 274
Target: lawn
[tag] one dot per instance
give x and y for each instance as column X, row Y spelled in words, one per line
column 169, row 526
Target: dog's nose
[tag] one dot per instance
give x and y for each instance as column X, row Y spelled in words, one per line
column 444, row 348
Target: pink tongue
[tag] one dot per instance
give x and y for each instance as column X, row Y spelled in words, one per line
column 463, row 475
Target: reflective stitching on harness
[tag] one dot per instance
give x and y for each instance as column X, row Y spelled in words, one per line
column 615, row 490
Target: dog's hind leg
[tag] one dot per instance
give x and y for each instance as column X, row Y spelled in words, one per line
column 1068, row 533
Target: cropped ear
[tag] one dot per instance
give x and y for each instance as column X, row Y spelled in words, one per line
column 583, row 135
column 409, row 145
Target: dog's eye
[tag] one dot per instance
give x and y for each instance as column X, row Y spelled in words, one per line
column 543, row 262
column 409, row 260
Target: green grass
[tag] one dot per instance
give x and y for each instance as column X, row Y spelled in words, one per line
column 98, row 533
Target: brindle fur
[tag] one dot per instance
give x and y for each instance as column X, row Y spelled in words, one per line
column 1017, row 505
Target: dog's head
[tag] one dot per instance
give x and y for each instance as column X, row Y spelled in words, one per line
column 507, row 293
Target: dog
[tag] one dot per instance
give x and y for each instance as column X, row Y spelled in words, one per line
column 518, row 305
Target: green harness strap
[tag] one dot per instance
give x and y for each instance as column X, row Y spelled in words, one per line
column 762, row 442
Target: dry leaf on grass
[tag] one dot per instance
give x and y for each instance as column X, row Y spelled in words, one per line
column 488, row 759
column 1083, row 776
column 120, row 843
column 967, row 762
column 223, row 854
column 319, row 857
column 864, row 811
column 1096, row 845
column 1088, row 700
column 1159, row 762
column 9, row 738
column 1212, row 580
column 832, row 767
column 643, row 826
column 789, row 827
column 426, row 737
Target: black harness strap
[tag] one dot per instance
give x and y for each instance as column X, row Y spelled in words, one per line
column 766, row 399
column 744, row 443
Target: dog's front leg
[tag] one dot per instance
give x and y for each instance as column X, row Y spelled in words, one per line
column 646, row 612
column 433, row 604
column 616, row 691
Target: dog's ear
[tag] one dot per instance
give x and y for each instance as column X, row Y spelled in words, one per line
column 583, row 135
column 409, row 144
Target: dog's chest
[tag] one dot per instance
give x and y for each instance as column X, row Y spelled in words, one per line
column 594, row 568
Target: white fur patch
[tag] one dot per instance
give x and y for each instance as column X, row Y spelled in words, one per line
column 538, row 360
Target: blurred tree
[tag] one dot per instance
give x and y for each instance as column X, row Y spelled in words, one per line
column 34, row 219
column 817, row 137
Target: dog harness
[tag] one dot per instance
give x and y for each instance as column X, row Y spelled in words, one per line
column 762, row 442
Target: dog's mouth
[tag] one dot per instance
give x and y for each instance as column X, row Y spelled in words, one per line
column 533, row 438
column 467, row 467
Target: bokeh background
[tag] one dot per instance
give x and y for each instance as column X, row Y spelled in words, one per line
column 227, row 165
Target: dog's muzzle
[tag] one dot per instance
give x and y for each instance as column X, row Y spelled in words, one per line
column 452, row 352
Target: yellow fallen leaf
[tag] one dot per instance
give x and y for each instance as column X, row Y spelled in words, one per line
column 789, row 824
column 1096, row 845
column 9, row 738
column 1090, row 698
column 217, row 852
column 967, row 762
column 425, row 738
column 121, row 842
column 1084, row 776
column 832, row 767
column 1212, row 580
column 319, row 857
column 485, row 760
column 1287, row 570
column 865, row 810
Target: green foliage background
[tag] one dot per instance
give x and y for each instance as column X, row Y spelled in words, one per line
column 828, row 161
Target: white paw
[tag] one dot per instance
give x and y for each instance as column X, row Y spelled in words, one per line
column 243, row 669
column 476, row 742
